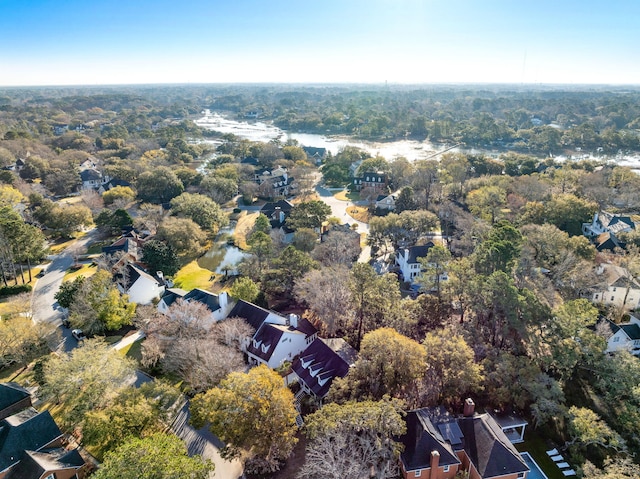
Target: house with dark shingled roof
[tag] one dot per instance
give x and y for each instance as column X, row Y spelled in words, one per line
column 30, row 441
column 624, row 336
column 277, row 338
column 322, row 362
column 438, row 444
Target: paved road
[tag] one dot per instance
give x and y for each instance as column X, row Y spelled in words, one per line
column 44, row 307
column 339, row 208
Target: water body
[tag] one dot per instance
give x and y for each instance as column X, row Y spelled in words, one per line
column 264, row 132
column 410, row 149
column 222, row 257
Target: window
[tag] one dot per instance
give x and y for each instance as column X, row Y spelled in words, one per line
column 51, row 476
column 616, row 339
column 614, row 290
column 613, row 298
column 446, row 469
column 418, row 473
column 520, row 474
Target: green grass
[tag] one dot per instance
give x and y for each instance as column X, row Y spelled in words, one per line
column 133, row 350
column 86, row 270
column 193, row 276
column 536, row 446
column 112, row 339
column 9, row 374
column 346, row 195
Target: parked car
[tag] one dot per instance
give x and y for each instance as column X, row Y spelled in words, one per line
column 78, row 334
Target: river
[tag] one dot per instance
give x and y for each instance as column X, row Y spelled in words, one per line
column 410, row 149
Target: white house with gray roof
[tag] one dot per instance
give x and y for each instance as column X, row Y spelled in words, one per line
column 624, row 337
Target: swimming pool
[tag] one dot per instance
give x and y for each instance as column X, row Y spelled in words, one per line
column 535, row 472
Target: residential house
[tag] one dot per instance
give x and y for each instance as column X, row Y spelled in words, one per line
column 376, row 181
column 92, row 179
column 277, row 212
column 275, row 183
column 170, row 296
column 141, row 287
column 407, row 260
column 60, row 130
column 322, row 362
column 30, row 441
column 605, row 227
column 438, row 444
column 129, row 245
column 386, row 202
column 618, row 288
column 623, row 337
column 217, row 304
column 13, row 398
column 315, row 155
column 353, row 168
column 112, row 183
column 277, row 338
column 605, row 222
column 607, row 242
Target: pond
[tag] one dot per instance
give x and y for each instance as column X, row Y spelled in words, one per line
column 223, row 258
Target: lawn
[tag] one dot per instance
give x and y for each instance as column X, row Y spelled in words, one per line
column 243, row 228
column 86, row 270
column 536, row 446
column 346, row 195
column 193, row 276
column 60, row 245
column 359, row 213
column 133, row 350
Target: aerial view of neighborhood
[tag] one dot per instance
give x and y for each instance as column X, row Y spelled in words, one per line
column 275, row 246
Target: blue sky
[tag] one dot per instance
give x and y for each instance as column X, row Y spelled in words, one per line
column 63, row 42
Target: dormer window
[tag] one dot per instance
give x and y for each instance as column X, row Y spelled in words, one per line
column 265, row 348
column 256, row 344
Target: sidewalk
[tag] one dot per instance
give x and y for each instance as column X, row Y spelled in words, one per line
column 127, row 340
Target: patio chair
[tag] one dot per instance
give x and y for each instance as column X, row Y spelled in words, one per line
column 563, row 465
column 552, row 452
column 557, row 458
column 569, row 472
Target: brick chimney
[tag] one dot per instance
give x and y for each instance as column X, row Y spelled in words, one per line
column 435, row 462
column 469, row 407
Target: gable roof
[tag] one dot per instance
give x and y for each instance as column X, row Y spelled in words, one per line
column 11, row 393
column 252, row 314
column 314, row 151
column 269, row 208
column 415, row 252
column 134, row 274
column 90, row 174
column 608, row 241
column 488, row 448
column 171, row 295
column 326, row 359
column 423, row 436
column 207, row 298
column 265, row 340
column 618, row 277
column 26, row 430
column 631, row 330
column 480, row 436
column 34, row 464
column 115, row 182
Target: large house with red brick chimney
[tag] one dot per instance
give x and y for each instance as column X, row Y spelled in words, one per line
column 438, row 444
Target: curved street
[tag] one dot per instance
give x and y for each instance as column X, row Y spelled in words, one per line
column 44, row 307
